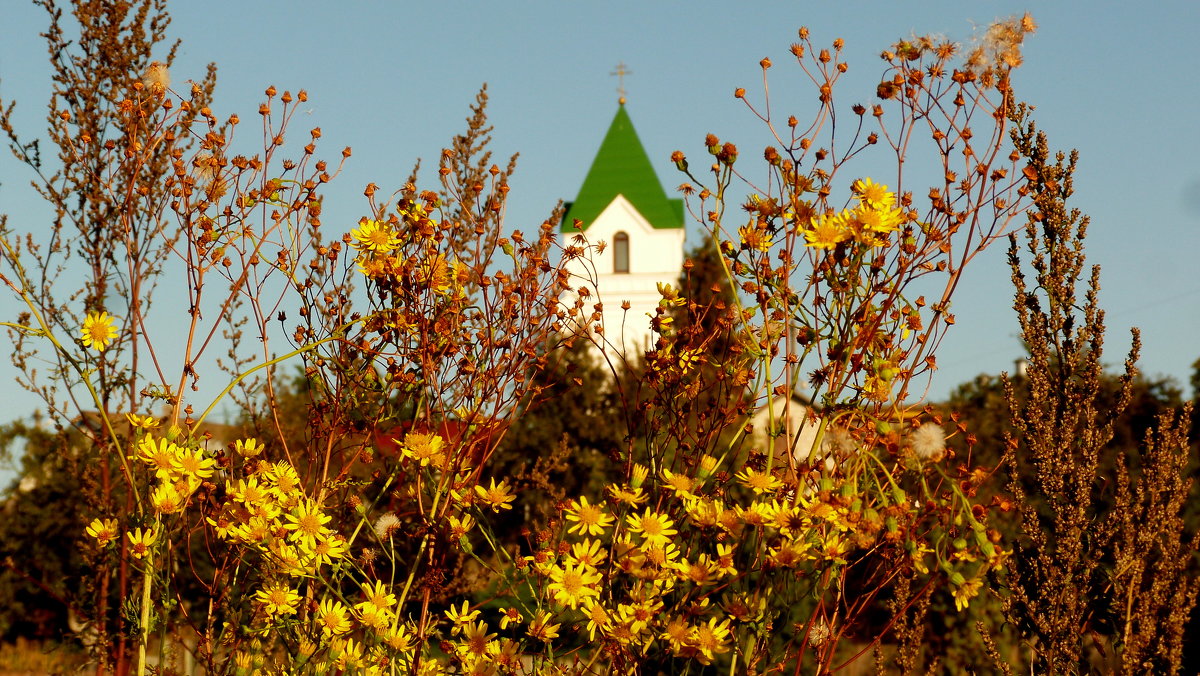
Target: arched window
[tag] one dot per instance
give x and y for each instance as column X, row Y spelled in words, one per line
column 621, row 252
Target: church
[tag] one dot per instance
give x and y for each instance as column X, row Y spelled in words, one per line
column 623, row 204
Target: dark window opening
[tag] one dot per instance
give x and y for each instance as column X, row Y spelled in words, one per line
column 621, row 252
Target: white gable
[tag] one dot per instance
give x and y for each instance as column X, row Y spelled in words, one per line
column 655, row 256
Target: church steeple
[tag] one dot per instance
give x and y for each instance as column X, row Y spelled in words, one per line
column 622, row 167
column 622, row 204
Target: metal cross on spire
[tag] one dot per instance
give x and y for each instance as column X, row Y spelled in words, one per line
column 621, row 71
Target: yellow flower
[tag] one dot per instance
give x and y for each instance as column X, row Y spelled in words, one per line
column 461, row 617
column 166, row 500
column 375, row 236
column 160, row 454
column 278, row 599
column 349, row 656
column 325, row 548
column 588, row 519
column 437, row 274
column 370, row 616
column 705, row 512
column 873, row 194
column 572, row 584
column 827, row 232
column 423, row 448
column 541, row 629
column 475, row 640
column 681, row 484
column 588, row 553
column 141, row 542
column 964, row 592
column 460, row 527
column 194, row 464
column 725, row 559
column 400, row 639
column 597, row 617
column 509, row 616
column 377, row 595
column 677, row 634
column 248, row 491
column 248, row 448
column 142, row 423
column 630, row 495
column 104, row 530
column 98, row 331
column 496, row 496
column 701, row 573
column 307, row 522
column 759, row 482
column 879, row 220
column 332, row 618
column 755, row 238
column 711, row 639
column 655, row 528
column 286, row 483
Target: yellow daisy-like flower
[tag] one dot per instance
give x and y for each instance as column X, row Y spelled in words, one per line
column 460, row 527
column 140, row 542
column 630, row 495
column 964, row 592
column 759, row 482
column 377, row 596
column 376, row 236
column 676, row 634
column 98, row 331
column 588, row 519
column 461, row 617
column 104, row 530
column 278, row 599
column 286, row 483
column 705, row 512
column 827, row 231
column 755, row 238
column 571, row 584
column 475, row 640
column 587, row 553
column 509, row 616
column 325, row 549
column 193, row 464
column 496, row 496
column 307, row 522
column 160, row 454
column 332, row 618
column 248, row 448
column 598, row 617
column 249, row 491
column 400, row 638
column 879, row 220
column 166, row 500
column 540, row 628
column 725, row 559
column 711, row 639
column 142, row 423
column 370, row 616
column 681, row 484
column 655, row 528
column 425, row 449
column 438, row 274
column 872, row 193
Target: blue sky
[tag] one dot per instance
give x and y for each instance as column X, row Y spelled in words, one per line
column 393, row 80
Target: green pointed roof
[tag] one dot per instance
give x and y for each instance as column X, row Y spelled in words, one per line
column 622, row 167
